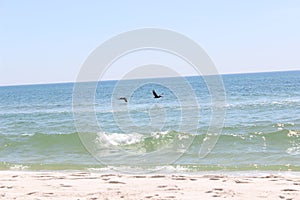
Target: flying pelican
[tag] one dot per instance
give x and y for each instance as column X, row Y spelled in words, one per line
column 155, row 95
column 123, row 98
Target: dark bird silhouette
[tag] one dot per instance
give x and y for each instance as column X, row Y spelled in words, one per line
column 155, row 95
column 123, row 98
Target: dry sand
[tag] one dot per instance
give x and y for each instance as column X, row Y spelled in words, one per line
column 86, row 185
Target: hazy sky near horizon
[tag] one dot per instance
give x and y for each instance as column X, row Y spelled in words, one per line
column 48, row 41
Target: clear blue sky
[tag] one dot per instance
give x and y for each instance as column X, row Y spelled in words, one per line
column 47, row 41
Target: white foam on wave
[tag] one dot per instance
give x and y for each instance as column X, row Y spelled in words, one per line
column 117, row 139
column 262, row 103
column 159, row 134
column 293, row 150
column 27, row 134
column 18, row 167
column 285, row 102
column 293, row 133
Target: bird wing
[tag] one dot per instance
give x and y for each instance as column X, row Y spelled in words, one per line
column 154, row 93
column 123, row 98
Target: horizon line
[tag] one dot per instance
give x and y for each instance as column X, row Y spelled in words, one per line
column 72, row 82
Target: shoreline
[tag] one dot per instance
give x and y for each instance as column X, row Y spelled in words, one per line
column 115, row 185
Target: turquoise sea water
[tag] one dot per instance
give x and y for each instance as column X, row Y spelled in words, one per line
column 261, row 128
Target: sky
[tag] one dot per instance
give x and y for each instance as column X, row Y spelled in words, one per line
column 48, row 41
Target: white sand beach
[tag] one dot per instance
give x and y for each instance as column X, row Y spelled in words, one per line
column 93, row 186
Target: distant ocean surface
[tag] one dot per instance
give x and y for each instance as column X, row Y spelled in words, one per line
column 261, row 129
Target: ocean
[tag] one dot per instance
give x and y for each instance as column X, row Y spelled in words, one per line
column 261, row 130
